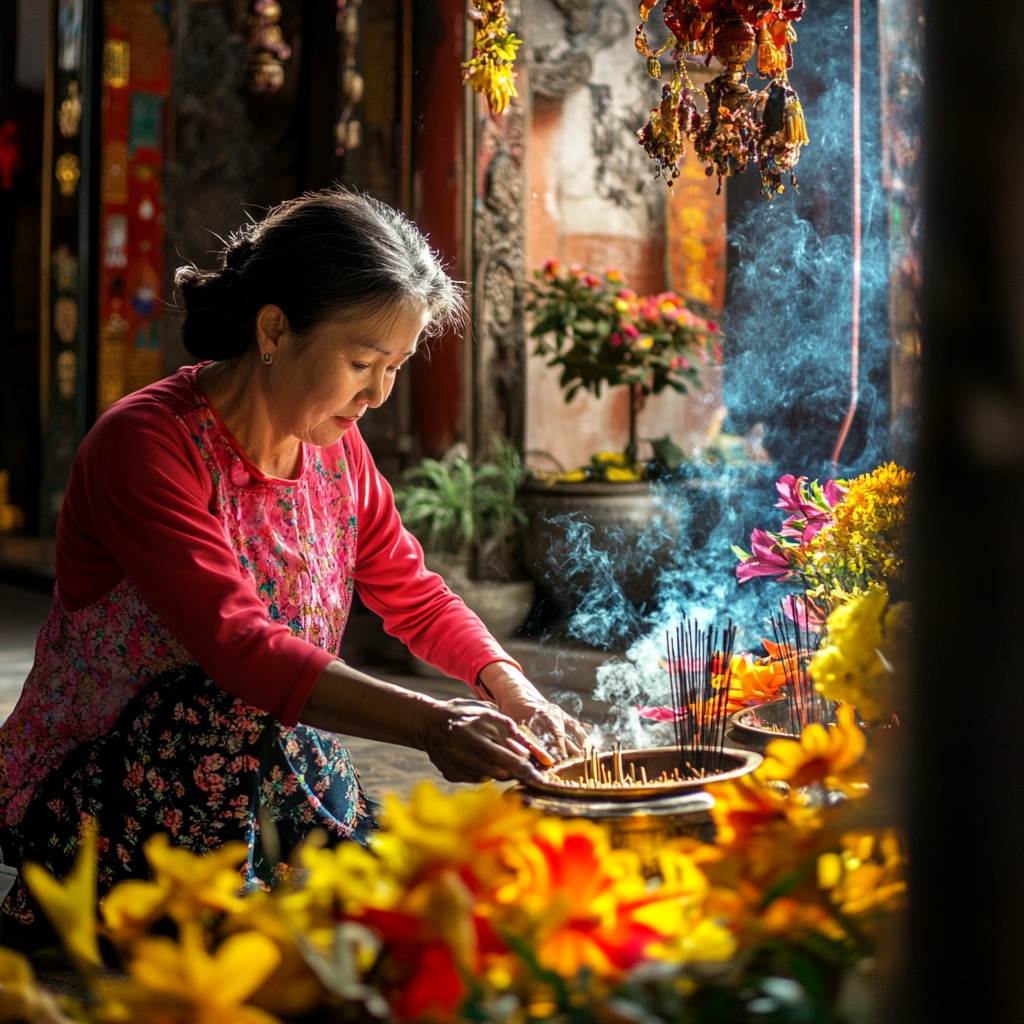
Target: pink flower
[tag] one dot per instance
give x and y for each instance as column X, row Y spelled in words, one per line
column 656, row 714
column 768, row 558
column 615, row 339
column 550, row 269
column 591, row 281
column 630, row 330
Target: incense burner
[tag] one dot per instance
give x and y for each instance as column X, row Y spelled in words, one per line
column 639, row 816
column 755, row 727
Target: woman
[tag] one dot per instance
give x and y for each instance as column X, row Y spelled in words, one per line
column 213, row 530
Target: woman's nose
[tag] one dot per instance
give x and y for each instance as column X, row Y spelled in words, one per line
column 376, row 391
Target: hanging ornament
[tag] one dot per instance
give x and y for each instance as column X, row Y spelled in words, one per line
column 268, row 50
column 740, row 126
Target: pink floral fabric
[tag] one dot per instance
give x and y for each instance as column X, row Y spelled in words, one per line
column 295, row 541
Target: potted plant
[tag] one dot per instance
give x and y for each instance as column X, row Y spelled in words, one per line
column 468, row 518
column 598, row 333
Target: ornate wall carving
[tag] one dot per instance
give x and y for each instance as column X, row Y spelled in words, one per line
column 499, row 263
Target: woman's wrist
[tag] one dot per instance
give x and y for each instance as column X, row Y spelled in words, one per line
column 501, row 681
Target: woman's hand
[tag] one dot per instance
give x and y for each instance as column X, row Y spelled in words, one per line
column 469, row 741
column 559, row 733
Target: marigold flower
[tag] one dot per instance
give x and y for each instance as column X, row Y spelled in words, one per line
column 581, row 903
column 185, row 983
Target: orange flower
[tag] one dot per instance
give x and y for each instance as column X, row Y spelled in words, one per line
column 823, row 754
column 581, row 903
column 753, row 680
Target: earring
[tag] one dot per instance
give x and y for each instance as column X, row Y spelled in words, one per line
column 267, row 358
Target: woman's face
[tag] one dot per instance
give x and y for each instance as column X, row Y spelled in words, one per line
column 320, row 385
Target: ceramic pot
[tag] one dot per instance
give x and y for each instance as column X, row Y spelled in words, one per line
column 579, row 532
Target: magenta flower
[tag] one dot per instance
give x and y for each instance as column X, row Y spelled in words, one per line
column 769, row 557
column 811, row 507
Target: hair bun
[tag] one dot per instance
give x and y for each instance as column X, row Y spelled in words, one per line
column 240, row 248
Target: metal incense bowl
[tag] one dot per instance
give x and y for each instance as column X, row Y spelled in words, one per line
column 755, row 727
column 639, row 818
column 565, row 779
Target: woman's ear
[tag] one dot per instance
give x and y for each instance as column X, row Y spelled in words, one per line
column 271, row 326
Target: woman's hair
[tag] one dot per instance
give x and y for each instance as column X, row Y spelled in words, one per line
column 317, row 257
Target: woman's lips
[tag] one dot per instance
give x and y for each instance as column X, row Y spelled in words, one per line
column 346, row 421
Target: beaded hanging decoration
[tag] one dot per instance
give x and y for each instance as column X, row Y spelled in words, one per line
column 739, row 126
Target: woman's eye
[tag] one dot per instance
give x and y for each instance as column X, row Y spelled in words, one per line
column 360, row 366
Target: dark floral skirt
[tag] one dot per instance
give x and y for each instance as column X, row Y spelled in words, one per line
column 189, row 759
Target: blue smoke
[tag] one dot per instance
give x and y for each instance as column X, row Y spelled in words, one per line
column 788, row 322
column 789, row 315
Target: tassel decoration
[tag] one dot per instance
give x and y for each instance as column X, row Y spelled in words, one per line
column 795, row 132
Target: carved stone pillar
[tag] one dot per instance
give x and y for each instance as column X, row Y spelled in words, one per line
column 498, row 261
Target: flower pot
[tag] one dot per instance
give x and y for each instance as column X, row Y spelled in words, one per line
column 583, row 535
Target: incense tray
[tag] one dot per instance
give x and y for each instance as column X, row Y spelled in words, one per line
column 566, row 780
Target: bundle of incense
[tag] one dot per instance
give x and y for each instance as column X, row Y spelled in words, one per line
column 793, row 634
column 700, row 670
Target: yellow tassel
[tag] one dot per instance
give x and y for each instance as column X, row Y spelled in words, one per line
column 795, row 130
column 654, row 67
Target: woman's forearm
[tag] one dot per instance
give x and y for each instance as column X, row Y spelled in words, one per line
column 467, row 741
column 353, row 703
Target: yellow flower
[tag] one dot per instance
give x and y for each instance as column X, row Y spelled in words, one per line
column 348, row 878
column 468, row 827
column 866, row 542
column 617, row 475
column 865, row 661
column 822, row 754
column 611, row 459
column 71, row 904
column 184, row 983
column 496, row 82
column 21, row 998
column 866, row 874
column 210, row 880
